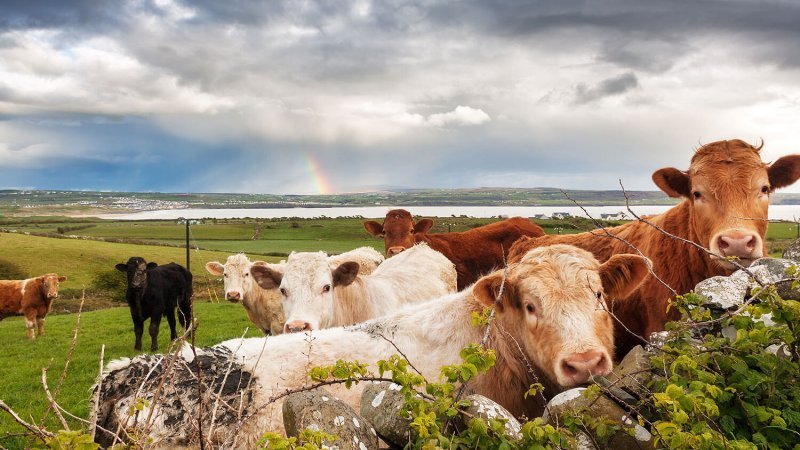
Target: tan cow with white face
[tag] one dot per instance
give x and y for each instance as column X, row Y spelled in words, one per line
column 551, row 313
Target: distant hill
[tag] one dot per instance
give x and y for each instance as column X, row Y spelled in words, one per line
column 71, row 202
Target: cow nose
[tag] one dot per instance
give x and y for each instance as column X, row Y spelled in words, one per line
column 296, row 326
column 233, row 296
column 395, row 250
column 742, row 245
column 580, row 367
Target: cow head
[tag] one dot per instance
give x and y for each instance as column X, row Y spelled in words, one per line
column 553, row 303
column 136, row 268
column 50, row 285
column 398, row 230
column 306, row 284
column 236, row 276
column 728, row 188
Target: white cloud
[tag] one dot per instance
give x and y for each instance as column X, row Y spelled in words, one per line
column 461, row 116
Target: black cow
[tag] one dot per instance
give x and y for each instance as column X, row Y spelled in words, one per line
column 155, row 291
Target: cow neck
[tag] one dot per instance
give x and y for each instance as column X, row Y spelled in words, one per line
column 690, row 264
column 513, row 372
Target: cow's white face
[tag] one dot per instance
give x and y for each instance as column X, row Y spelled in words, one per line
column 236, row 276
column 553, row 303
column 306, row 284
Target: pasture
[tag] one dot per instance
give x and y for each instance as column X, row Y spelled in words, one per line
column 88, row 264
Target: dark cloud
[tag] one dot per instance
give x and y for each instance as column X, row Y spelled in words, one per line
column 606, row 88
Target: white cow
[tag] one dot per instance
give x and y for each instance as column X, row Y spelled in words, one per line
column 317, row 295
column 550, row 313
column 263, row 306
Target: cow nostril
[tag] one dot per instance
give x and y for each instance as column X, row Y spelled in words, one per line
column 568, row 369
column 751, row 244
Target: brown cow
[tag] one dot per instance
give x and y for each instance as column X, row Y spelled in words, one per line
column 31, row 298
column 726, row 195
column 474, row 252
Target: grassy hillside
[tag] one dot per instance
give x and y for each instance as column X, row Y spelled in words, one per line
column 21, row 360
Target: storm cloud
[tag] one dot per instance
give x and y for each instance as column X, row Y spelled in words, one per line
column 240, row 95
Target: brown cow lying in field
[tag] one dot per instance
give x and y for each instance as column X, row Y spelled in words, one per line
column 726, row 194
column 551, row 313
column 474, row 252
column 31, row 298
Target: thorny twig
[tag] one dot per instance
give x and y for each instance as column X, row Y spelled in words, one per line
column 69, row 357
column 52, row 401
column 40, row 433
column 96, row 395
column 222, row 385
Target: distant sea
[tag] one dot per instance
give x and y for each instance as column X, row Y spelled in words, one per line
column 776, row 212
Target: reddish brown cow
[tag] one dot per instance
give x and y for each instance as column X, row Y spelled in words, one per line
column 726, row 195
column 31, row 298
column 475, row 252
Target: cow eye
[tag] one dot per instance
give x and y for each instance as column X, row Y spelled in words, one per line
column 599, row 295
column 283, row 292
column 697, row 194
column 225, row 275
column 530, row 308
column 765, row 189
column 326, row 288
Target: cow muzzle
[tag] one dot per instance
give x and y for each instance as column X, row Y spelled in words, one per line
column 578, row 368
column 743, row 245
column 396, row 250
column 297, row 326
column 233, row 296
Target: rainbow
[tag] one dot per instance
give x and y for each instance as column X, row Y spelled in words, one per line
column 320, row 180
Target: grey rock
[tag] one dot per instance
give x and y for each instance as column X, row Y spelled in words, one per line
column 657, row 340
column 485, row 408
column 381, row 405
column 723, row 292
column 633, row 373
column 793, row 251
column 602, row 406
column 319, row 410
column 773, row 271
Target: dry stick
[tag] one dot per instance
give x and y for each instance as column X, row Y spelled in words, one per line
column 51, row 400
column 381, row 335
column 69, row 356
column 199, row 386
column 157, row 396
column 40, row 433
column 96, row 399
column 222, row 384
column 239, row 418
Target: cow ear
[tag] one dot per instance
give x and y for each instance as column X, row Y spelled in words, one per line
column 345, row 273
column 215, row 268
column 266, row 277
column 122, row 267
column 784, row 171
column 487, row 290
column 62, row 278
column 373, row 228
column 423, row 226
column 151, row 265
column 622, row 274
column 672, row 181
column 260, row 263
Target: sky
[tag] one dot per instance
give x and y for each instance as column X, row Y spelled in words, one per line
column 309, row 97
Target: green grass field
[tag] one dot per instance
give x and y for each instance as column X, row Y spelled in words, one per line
column 82, row 261
column 22, row 360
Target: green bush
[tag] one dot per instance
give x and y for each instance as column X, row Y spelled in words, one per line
column 11, row 271
column 111, row 282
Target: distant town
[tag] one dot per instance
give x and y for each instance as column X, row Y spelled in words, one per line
column 42, row 202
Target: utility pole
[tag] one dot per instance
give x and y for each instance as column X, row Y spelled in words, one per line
column 187, row 241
